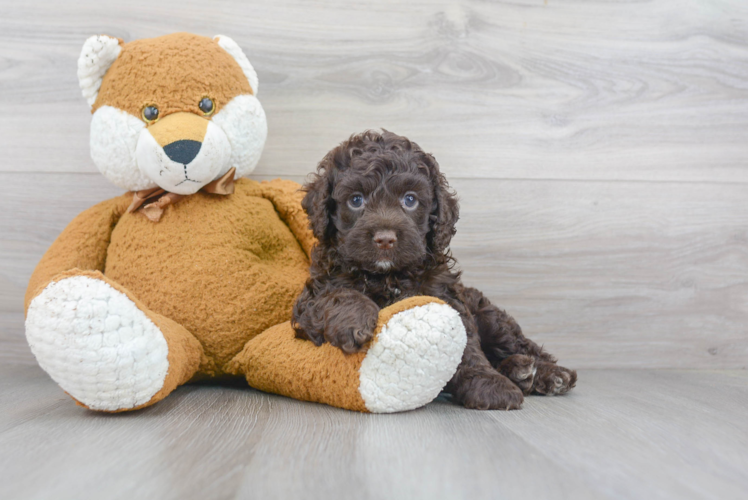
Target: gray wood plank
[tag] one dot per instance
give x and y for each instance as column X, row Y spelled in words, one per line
column 647, row 434
column 520, row 89
column 27, row 392
column 605, row 274
column 220, row 442
column 13, row 346
column 614, row 274
column 619, row 434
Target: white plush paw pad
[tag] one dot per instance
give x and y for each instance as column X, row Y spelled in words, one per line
column 96, row 344
column 415, row 355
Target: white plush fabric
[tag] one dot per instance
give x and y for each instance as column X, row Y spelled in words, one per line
column 244, row 123
column 114, row 138
column 211, row 161
column 413, row 358
column 236, row 52
column 96, row 344
column 98, row 53
column 127, row 155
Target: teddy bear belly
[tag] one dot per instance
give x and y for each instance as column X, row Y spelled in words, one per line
column 226, row 269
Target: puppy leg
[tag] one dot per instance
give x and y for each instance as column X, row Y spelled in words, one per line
column 477, row 385
column 513, row 354
column 345, row 318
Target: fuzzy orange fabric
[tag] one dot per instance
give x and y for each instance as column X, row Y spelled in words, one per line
column 147, row 71
column 276, row 361
column 224, row 267
column 178, row 126
column 82, row 245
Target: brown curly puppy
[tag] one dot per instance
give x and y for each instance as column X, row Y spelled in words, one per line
column 384, row 216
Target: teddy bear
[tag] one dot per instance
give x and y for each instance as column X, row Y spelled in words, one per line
column 193, row 271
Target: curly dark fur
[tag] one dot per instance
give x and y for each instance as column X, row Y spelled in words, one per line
column 385, row 250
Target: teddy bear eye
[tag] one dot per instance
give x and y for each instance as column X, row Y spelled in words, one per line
column 206, row 105
column 150, row 113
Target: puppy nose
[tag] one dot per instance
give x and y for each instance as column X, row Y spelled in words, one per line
column 384, row 240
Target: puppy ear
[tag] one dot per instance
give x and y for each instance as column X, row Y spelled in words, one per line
column 98, row 53
column 318, row 202
column 444, row 215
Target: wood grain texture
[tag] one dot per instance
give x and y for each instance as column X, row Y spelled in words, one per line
column 614, row 274
column 646, row 90
column 604, row 274
column 599, row 149
column 601, row 161
column 620, row 434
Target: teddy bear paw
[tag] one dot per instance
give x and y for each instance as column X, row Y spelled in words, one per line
column 97, row 344
column 412, row 358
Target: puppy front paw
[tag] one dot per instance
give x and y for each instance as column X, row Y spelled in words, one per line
column 551, row 379
column 520, row 369
column 350, row 339
column 490, row 392
column 350, row 328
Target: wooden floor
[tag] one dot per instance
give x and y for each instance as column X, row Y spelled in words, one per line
column 620, row 434
column 600, row 151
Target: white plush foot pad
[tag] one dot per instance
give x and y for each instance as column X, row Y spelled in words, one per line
column 415, row 355
column 96, row 344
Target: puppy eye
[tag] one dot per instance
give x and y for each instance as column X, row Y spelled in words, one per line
column 206, row 105
column 410, row 201
column 150, row 114
column 356, row 201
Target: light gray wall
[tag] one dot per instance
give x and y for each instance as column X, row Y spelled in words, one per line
column 600, row 148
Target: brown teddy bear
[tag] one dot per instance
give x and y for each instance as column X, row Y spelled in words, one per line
column 193, row 271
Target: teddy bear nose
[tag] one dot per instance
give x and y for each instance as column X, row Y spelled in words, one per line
column 182, row 151
column 385, row 240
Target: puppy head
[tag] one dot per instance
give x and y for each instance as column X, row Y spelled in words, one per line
column 381, row 202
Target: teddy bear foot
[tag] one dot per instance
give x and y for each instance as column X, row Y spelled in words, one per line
column 96, row 343
column 415, row 354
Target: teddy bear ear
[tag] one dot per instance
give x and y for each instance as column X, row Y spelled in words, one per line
column 99, row 52
column 235, row 51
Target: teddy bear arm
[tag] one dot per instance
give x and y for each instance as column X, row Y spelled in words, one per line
column 417, row 347
column 286, row 197
column 82, row 245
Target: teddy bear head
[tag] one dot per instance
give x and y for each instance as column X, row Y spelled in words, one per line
column 174, row 112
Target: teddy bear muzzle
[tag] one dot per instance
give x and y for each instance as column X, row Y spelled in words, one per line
column 182, row 152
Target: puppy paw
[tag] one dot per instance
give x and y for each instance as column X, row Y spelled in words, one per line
column 521, row 370
column 351, row 328
column 551, row 379
column 490, row 392
column 350, row 339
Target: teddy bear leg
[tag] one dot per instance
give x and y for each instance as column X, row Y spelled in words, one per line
column 103, row 347
column 415, row 351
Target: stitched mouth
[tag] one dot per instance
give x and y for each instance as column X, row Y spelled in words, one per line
column 186, row 177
